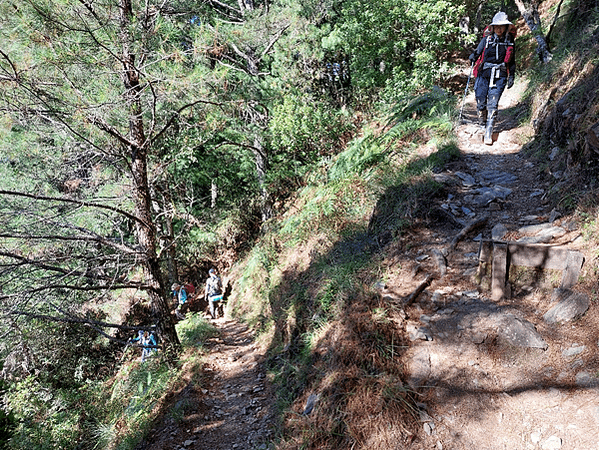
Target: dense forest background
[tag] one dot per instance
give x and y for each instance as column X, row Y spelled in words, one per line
column 144, row 142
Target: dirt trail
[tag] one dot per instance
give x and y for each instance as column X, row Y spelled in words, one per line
column 230, row 407
column 477, row 392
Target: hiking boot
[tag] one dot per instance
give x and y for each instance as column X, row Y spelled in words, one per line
column 489, row 129
column 482, row 117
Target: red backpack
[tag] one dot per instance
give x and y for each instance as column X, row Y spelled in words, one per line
column 190, row 289
column 488, row 31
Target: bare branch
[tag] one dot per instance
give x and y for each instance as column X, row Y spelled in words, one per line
column 57, row 237
column 421, row 287
column 273, row 41
column 533, row 20
column 71, row 273
column 239, row 144
column 76, row 320
column 73, row 201
column 14, row 68
column 104, row 126
column 548, row 37
column 225, row 6
column 239, row 69
column 178, row 113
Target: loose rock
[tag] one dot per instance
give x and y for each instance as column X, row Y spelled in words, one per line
column 521, row 333
column 573, row 351
column 552, row 443
column 570, row 306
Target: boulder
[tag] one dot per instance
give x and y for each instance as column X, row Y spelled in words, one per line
column 521, row 333
column 570, row 306
column 485, row 195
column 593, row 137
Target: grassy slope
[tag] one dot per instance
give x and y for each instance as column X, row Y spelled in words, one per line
column 309, row 285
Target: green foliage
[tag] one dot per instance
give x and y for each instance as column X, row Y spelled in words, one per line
column 206, row 117
column 328, row 209
column 201, row 242
column 338, row 277
column 399, row 44
column 255, row 285
column 434, row 104
column 194, row 330
column 201, row 156
column 223, row 231
column 432, row 111
column 406, row 198
column 303, row 127
column 86, row 415
column 104, row 434
column 134, row 395
column 46, row 419
column 7, row 419
column 359, row 155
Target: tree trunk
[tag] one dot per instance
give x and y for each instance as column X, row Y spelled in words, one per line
column 171, row 253
column 533, row 20
column 145, row 228
column 168, row 236
column 213, row 193
column 548, row 37
column 245, row 6
column 261, row 168
column 479, row 15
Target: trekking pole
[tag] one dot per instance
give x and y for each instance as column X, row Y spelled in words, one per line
column 125, row 351
column 466, row 91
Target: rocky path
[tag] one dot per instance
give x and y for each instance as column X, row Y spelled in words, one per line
column 499, row 374
column 229, row 407
column 489, row 374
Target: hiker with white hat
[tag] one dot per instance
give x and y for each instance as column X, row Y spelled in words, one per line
column 494, row 64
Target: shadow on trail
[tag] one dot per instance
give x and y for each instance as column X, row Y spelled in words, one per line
column 224, row 406
column 508, row 118
column 336, row 338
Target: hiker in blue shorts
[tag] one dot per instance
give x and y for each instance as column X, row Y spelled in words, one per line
column 146, row 338
column 214, row 292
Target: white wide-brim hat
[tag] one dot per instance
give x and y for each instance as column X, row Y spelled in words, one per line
column 501, row 19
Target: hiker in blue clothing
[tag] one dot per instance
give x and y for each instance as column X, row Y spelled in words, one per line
column 213, row 292
column 180, row 295
column 146, row 338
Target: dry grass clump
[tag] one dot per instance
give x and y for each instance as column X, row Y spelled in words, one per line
column 362, row 401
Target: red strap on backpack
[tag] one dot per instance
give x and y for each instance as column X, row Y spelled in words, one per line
column 508, row 52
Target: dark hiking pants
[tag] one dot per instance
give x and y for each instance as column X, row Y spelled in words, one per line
column 488, row 97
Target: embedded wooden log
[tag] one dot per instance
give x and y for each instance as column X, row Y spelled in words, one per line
column 499, row 272
column 504, row 254
column 421, row 287
column 465, row 231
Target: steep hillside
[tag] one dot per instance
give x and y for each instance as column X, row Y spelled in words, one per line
column 381, row 321
column 376, row 301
